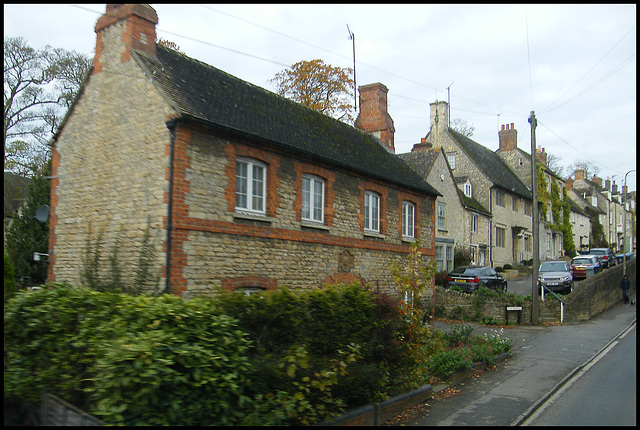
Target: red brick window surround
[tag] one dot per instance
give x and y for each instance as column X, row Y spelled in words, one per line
column 271, row 162
column 310, row 171
column 382, row 193
column 240, row 283
column 417, row 218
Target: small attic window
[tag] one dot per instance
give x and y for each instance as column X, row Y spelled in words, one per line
column 451, row 158
column 143, row 37
column 520, row 161
column 468, row 190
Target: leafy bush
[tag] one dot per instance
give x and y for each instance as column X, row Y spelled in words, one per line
column 142, row 360
column 508, row 266
column 325, row 320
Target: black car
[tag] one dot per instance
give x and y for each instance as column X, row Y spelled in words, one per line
column 470, row 278
column 556, row 276
column 605, row 255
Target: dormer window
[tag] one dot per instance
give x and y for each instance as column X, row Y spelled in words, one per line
column 468, row 190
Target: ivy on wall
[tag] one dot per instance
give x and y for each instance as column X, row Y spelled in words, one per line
column 560, row 210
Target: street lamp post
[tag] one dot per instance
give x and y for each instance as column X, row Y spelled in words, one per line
column 624, row 226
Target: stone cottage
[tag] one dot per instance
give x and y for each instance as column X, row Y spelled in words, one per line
column 239, row 188
column 461, row 221
column 493, row 184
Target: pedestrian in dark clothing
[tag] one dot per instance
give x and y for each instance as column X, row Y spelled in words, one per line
column 625, row 285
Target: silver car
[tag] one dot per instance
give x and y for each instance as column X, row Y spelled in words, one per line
column 556, row 276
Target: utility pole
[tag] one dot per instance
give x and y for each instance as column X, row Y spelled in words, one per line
column 535, row 223
column 624, row 235
column 355, row 87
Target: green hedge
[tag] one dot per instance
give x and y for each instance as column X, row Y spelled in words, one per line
column 276, row 358
column 129, row 360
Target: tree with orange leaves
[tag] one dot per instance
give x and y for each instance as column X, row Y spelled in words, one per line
column 319, row 86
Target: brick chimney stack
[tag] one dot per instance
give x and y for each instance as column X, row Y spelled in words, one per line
column 597, row 180
column 569, row 184
column 541, row 156
column 374, row 117
column 614, row 188
column 124, row 27
column 579, row 174
column 508, row 138
column 607, row 185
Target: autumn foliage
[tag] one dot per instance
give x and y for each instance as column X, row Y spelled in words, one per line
column 319, row 86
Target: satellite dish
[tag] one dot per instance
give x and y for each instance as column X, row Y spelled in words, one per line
column 42, row 214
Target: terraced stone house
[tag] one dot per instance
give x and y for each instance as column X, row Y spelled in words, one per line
column 240, row 189
column 491, row 182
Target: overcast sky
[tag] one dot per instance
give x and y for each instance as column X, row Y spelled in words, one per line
column 574, row 65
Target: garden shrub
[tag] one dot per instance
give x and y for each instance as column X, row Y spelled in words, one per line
column 129, row 360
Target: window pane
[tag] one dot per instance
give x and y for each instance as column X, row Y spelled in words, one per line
column 241, row 185
column 258, row 188
column 367, row 211
column 318, row 199
column 375, row 212
column 306, row 198
column 439, row 260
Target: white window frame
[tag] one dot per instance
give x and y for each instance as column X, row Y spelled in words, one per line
column 474, row 223
column 440, row 257
column 408, row 219
column 255, row 193
column 312, row 201
column 372, row 211
column 451, row 159
column 468, row 190
column 441, row 216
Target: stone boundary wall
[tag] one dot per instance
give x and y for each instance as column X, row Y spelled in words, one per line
column 589, row 298
column 455, row 304
column 598, row 293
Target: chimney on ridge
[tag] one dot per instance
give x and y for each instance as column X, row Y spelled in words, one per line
column 579, row 174
column 422, row 146
column 597, row 180
column 122, row 28
column 607, row 185
column 569, row 184
column 439, row 117
column 541, row 156
column 374, row 117
column 508, row 138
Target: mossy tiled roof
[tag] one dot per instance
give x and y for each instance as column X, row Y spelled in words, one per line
column 204, row 93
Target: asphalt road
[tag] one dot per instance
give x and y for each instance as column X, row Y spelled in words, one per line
column 602, row 394
column 543, row 356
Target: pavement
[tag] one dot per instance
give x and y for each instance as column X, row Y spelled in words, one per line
column 543, row 357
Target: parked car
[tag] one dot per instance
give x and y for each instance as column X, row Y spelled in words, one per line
column 556, row 276
column 470, row 278
column 620, row 257
column 582, row 263
column 605, row 255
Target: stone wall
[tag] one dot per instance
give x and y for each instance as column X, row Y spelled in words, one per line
column 219, row 247
column 588, row 299
column 109, row 167
column 598, row 293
